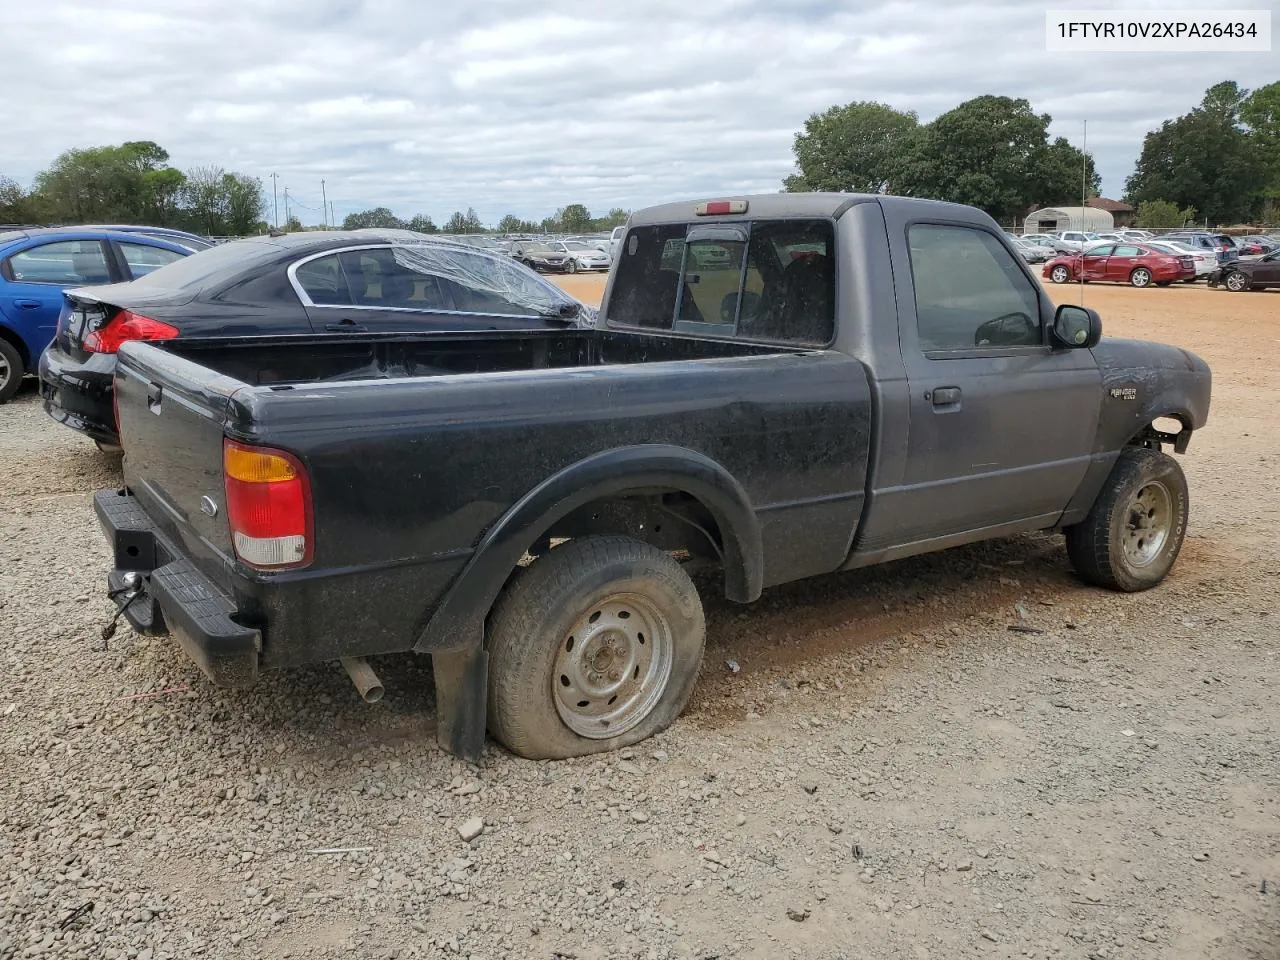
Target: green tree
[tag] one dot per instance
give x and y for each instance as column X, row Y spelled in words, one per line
column 130, row 182
column 421, row 223
column 461, row 222
column 510, row 224
column 15, row 203
column 377, row 217
column 574, row 218
column 293, row 224
column 1203, row 159
column 1162, row 213
column 206, row 201
column 860, row 147
column 245, row 203
column 615, row 218
column 1056, row 175
column 1261, row 114
column 985, row 152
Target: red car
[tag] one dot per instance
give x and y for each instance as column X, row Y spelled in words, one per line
column 1121, row 263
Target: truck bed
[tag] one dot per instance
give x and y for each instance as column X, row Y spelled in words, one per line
column 293, row 360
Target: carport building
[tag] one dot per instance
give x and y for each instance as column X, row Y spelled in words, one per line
column 1058, row 219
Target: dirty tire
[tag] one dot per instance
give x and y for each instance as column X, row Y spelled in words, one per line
column 1115, row 546
column 110, row 449
column 11, row 370
column 535, row 619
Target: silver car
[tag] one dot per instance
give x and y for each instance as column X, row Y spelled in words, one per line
column 580, row 255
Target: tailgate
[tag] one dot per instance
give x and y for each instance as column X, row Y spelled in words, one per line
column 171, row 413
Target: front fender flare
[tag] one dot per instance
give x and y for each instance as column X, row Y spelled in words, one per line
column 458, row 621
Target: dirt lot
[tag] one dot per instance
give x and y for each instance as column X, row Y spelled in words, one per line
column 893, row 773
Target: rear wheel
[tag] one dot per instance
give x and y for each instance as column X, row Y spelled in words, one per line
column 594, row 646
column 1059, row 274
column 11, row 370
column 1236, row 282
column 1141, row 277
column 1132, row 535
column 111, row 449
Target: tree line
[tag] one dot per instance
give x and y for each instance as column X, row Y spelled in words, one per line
column 573, row 218
column 1221, row 160
column 134, row 183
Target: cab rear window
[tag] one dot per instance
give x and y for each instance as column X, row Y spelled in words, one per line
column 760, row 280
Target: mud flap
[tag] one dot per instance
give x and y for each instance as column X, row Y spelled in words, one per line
column 462, row 687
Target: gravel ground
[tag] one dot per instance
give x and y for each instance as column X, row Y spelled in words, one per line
column 892, row 772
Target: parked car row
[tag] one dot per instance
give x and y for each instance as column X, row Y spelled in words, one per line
column 1167, row 260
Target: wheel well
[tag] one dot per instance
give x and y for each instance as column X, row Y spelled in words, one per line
column 1171, row 428
column 671, row 520
column 18, row 344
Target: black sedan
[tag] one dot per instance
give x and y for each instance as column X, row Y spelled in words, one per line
column 1240, row 275
column 303, row 283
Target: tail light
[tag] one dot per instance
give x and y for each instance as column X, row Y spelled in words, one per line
column 268, row 506
column 125, row 326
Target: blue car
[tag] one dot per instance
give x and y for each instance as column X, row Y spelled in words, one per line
column 37, row 265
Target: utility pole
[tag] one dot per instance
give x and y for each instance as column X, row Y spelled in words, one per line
column 324, row 203
column 333, row 217
column 275, row 202
column 286, row 208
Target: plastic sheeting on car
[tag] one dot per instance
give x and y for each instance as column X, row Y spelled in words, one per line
column 489, row 273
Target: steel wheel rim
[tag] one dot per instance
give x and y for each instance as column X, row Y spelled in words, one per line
column 1235, row 282
column 1059, row 274
column 612, row 666
column 1141, row 278
column 1148, row 524
column 5, row 372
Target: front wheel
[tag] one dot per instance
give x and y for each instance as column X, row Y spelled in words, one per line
column 596, row 645
column 1140, row 277
column 1236, row 282
column 11, row 370
column 1059, row 274
column 571, row 266
column 1132, row 535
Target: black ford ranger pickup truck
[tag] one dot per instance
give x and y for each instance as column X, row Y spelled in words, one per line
column 784, row 385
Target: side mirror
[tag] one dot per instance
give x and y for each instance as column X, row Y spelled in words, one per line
column 1076, row 327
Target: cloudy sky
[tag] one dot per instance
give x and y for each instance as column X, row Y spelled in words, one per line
column 523, row 107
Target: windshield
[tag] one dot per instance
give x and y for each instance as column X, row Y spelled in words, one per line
column 484, row 274
column 578, row 245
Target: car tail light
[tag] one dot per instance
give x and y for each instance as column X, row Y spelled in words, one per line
column 125, row 326
column 268, row 506
column 713, row 208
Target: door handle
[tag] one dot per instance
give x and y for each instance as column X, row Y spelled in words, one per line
column 28, row 304
column 945, row 397
column 346, row 326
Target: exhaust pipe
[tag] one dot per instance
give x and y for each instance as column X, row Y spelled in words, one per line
column 362, row 675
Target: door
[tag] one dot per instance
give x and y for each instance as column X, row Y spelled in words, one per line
column 1094, row 263
column 1002, row 425
column 1267, row 270
column 1121, row 263
column 32, row 281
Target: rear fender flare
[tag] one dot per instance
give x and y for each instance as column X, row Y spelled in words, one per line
column 458, row 621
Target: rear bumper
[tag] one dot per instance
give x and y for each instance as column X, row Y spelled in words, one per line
column 175, row 596
column 79, row 393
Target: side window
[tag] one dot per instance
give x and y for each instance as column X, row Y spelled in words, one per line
column 647, row 277
column 323, row 281
column 1123, row 251
column 66, row 262
column 143, row 259
column 1105, row 250
column 970, row 292
column 378, row 279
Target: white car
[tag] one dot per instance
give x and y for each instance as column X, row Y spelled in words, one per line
column 615, row 240
column 1205, row 263
column 581, row 255
column 1078, row 240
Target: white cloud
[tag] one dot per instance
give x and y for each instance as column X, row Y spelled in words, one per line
column 434, row 107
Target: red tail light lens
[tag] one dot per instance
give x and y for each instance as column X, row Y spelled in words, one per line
column 125, row 326
column 268, row 506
